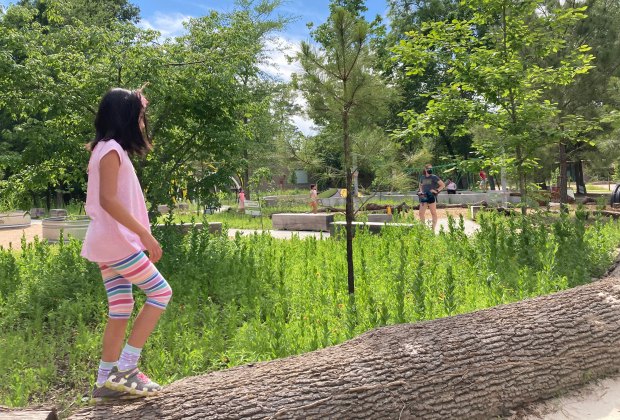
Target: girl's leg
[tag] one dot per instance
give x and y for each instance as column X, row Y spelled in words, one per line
column 422, row 212
column 139, row 270
column 113, row 338
column 120, row 304
column 433, row 209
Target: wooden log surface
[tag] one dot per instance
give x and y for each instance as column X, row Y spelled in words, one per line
column 27, row 414
column 476, row 366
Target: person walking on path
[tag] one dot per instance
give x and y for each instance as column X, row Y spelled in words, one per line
column 241, row 199
column 314, row 198
column 118, row 235
column 430, row 186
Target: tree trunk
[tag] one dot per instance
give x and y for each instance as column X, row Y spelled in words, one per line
column 475, row 366
column 563, row 181
column 15, row 414
column 350, row 211
column 522, row 185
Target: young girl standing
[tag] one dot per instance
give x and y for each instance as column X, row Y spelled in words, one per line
column 118, row 235
column 314, row 198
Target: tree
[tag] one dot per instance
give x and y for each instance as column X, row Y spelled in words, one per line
column 55, row 73
column 583, row 105
column 500, row 68
column 255, row 26
column 478, row 365
column 342, row 92
column 58, row 67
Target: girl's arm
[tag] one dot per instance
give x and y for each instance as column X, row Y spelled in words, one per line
column 108, row 181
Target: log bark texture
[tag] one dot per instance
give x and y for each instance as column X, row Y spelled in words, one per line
column 477, row 365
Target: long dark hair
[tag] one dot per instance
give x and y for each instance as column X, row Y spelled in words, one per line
column 118, row 118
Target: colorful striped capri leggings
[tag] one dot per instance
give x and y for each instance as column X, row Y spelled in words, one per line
column 119, row 276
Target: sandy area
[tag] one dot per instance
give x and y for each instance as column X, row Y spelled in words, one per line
column 14, row 236
column 598, row 400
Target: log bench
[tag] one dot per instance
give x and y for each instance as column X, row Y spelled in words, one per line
column 302, row 221
column 337, row 228
column 381, row 218
column 252, row 208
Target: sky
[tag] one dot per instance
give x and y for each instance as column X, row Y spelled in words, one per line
column 167, row 17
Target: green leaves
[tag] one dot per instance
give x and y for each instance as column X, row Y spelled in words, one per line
column 501, row 64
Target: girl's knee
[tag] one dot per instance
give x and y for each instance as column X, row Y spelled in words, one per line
column 120, row 308
column 160, row 296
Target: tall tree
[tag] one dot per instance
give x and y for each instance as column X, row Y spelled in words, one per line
column 584, row 103
column 342, row 90
column 406, row 16
column 499, row 78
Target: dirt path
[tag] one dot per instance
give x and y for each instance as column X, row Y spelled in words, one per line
column 13, row 237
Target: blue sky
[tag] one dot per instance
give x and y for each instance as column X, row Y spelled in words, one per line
column 166, row 15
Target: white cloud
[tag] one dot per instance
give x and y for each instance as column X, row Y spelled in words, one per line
column 278, row 50
column 168, row 25
column 305, row 125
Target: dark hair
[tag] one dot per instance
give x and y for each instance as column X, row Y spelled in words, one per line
column 312, row 185
column 118, row 118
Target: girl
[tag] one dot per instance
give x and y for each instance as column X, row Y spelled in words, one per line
column 314, row 198
column 118, row 234
column 241, row 199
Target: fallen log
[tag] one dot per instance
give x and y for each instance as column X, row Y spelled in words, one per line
column 477, row 365
column 608, row 213
column 28, row 414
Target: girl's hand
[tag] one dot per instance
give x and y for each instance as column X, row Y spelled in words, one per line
column 152, row 246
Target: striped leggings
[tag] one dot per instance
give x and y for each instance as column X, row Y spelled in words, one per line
column 119, row 276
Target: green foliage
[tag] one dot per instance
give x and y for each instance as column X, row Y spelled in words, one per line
column 259, row 298
column 59, row 61
column 502, row 61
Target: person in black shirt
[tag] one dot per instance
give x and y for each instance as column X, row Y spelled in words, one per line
column 430, row 186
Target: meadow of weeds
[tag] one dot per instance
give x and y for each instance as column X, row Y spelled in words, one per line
column 256, row 298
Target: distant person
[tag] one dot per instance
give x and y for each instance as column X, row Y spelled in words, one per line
column 314, row 198
column 451, row 186
column 430, row 186
column 241, row 199
column 483, row 180
column 118, row 235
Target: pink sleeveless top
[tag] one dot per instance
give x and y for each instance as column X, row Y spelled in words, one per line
column 106, row 239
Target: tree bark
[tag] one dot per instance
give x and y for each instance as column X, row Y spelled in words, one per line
column 15, row 414
column 522, row 183
column 477, row 365
column 350, row 211
column 563, row 181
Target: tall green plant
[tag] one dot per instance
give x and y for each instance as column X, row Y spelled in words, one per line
column 342, row 91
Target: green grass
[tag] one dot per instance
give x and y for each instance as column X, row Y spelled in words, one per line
column 258, row 298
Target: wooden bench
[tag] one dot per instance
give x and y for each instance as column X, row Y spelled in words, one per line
column 338, row 228
column 302, row 221
column 252, row 208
